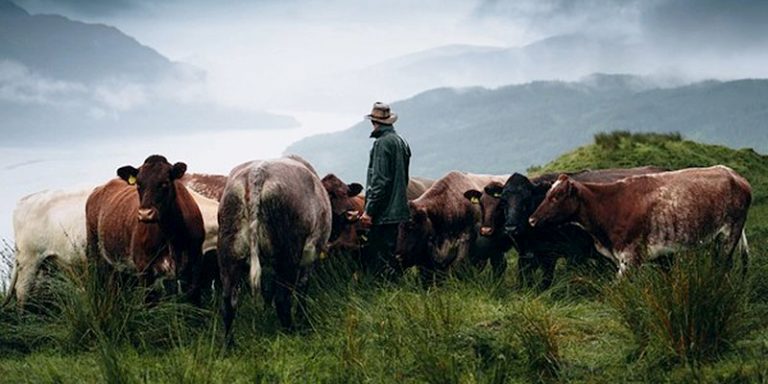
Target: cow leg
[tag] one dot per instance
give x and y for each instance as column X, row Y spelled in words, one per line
column 499, row 264
column 283, row 303
column 302, row 286
column 191, row 276
column 548, row 264
column 526, row 265
column 230, row 276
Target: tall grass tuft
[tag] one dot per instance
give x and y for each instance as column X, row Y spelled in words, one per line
column 690, row 313
column 538, row 334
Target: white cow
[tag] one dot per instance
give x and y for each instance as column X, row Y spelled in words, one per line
column 51, row 224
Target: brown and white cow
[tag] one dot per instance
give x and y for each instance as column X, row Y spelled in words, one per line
column 50, row 226
column 274, row 220
column 642, row 217
column 206, row 184
column 146, row 222
column 442, row 229
column 506, row 208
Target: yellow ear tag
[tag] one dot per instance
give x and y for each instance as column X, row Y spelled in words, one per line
column 323, row 255
column 497, row 195
column 475, row 200
column 131, row 180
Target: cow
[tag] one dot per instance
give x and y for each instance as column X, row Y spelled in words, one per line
column 417, row 186
column 347, row 204
column 145, row 222
column 441, row 231
column 208, row 185
column 507, row 207
column 346, row 207
column 274, row 222
column 642, row 217
column 50, row 226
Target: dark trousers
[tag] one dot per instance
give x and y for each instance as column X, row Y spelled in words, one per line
column 379, row 251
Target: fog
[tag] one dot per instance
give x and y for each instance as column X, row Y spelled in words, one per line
column 325, row 62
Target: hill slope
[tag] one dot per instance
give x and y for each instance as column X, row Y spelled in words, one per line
column 513, row 127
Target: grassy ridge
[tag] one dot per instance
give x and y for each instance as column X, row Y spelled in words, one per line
column 471, row 330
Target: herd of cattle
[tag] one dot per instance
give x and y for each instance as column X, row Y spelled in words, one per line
column 270, row 221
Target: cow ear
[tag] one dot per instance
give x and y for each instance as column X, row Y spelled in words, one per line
column 177, row 171
column 354, row 189
column 128, row 173
column 473, row 196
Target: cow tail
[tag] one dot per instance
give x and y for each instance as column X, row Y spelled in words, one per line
column 12, row 288
column 743, row 249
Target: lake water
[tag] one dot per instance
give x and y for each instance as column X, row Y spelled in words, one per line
column 92, row 162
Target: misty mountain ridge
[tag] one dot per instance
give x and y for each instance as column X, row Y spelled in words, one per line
column 514, row 127
column 68, row 80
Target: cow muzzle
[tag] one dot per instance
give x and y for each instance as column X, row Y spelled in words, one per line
column 486, row 231
column 148, row 215
column 511, row 229
column 352, row 216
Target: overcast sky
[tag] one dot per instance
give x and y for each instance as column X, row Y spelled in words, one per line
column 257, row 53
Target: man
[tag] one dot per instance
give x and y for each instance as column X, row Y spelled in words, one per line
column 386, row 204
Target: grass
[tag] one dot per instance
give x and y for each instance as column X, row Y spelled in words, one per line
column 686, row 324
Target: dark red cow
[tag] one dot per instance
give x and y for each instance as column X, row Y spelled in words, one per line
column 146, row 223
column 442, row 229
column 346, row 206
column 642, row 217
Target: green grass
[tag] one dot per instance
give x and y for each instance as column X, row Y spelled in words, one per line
column 685, row 325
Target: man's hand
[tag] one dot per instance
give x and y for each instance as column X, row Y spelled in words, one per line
column 366, row 221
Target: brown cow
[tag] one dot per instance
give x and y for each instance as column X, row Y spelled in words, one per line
column 146, row 222
column 273, row 215
column 507, row 207
column 442, row 228
column 346, row 206
column 417, row 186
column 642, row 217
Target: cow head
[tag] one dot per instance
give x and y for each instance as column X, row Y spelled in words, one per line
column 519, row 200
column 414, row 236
column 560, row 204
column 155, row 184
column 490, row 205
column 345, row 205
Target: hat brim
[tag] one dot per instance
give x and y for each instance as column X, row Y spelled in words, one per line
column 391, row 120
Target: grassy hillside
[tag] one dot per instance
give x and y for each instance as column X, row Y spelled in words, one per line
column 510, row 128
column 587, row 328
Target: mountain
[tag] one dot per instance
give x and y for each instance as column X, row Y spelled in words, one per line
column 62, row 79
column 56, row 47
column 514, row 127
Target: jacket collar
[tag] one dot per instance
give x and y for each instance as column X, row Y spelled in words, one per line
column 382, row 130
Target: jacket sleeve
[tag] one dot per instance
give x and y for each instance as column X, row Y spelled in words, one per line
column 381, row 180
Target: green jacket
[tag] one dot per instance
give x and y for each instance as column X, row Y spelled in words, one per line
column 387, row 180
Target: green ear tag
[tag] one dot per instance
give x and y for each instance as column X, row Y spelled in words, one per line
column 131, row 180
column 475, row 200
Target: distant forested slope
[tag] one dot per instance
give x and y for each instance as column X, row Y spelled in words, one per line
column 514, row 127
